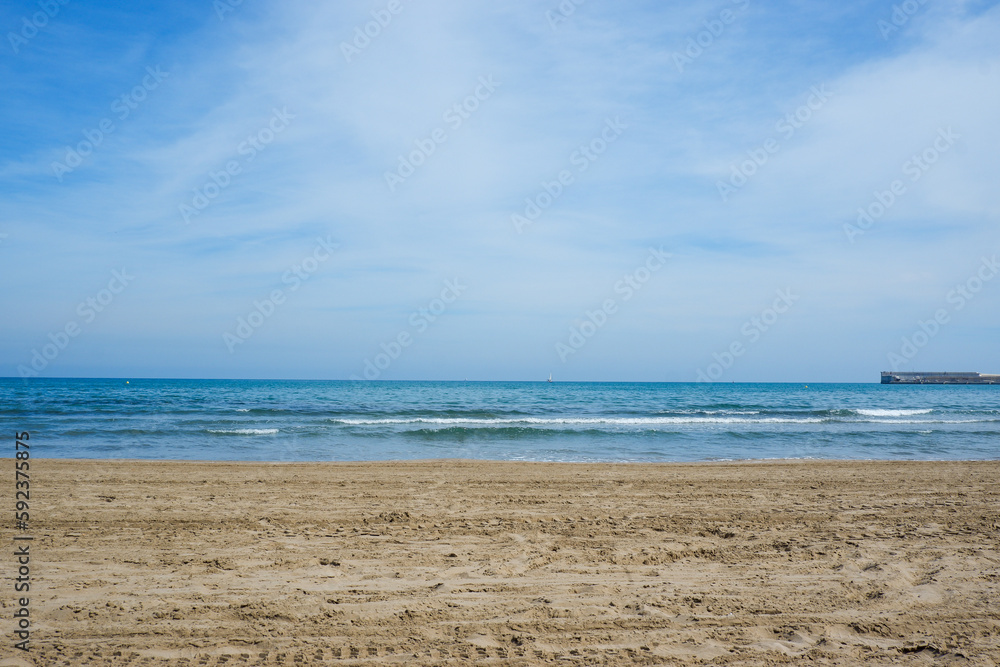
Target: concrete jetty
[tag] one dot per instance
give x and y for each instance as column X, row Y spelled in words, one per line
column 895, row 377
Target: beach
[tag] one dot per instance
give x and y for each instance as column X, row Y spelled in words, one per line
column 459, row 561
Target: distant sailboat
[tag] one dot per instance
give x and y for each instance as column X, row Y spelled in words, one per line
column 550, row 377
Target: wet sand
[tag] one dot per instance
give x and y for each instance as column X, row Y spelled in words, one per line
column 457, row 562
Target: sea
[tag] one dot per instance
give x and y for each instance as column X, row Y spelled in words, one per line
column 272, row 420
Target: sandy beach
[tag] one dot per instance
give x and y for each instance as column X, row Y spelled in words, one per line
column 455, row 562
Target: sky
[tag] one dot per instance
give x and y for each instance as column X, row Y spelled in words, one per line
column 729, row 190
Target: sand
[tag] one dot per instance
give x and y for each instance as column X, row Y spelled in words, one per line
column 457, row 562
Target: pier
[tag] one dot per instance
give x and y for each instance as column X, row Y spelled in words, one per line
column 894, row 377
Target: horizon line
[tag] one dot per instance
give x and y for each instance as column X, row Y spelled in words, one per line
column 365, row 381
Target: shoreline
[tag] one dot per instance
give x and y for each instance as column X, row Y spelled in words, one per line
column 453, row 561
column 765, row 461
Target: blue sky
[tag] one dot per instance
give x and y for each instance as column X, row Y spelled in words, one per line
column 284, row 196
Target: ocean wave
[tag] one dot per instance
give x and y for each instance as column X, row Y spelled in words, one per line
column 928, row 421
column 575, row 421
column 875, row 412
column 882, row 417
column 244, row 431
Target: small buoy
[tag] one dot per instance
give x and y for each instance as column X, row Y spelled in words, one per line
column 126, row 381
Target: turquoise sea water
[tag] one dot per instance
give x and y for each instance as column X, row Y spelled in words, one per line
column 349, row 421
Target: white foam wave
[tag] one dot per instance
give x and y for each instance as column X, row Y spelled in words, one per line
column 245, row 431
column 242, row 409
column 892, row 413
column 927, row 421
column 576, row 421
